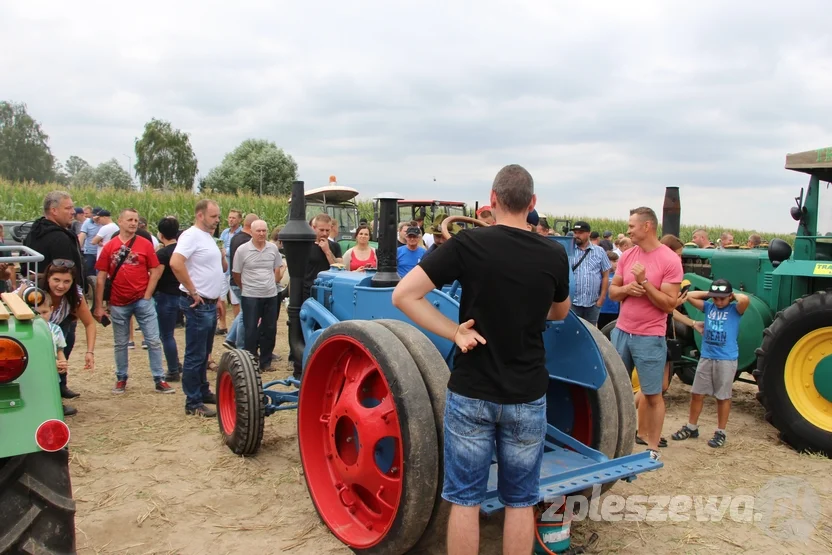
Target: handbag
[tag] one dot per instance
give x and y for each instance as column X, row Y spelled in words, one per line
column 578, row 263
column 108, row 285
column 674, row 346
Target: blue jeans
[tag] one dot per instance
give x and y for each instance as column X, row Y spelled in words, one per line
column 237, row 332
column 588, row 313
column 68, row 327
column 263, row 310
column 167, row 310
column 145, row 313
column 200, row 327
column 472, row 426
column 648, row 353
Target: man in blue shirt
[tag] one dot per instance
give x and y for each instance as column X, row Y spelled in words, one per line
column 718, row 360
column 591, row 267
column 411, row 253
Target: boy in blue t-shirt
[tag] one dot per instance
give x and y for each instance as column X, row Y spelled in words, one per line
column 718, row 361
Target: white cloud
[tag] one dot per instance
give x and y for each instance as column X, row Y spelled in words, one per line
column 606, row 103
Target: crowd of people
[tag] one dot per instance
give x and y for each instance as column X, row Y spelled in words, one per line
column 189, row 277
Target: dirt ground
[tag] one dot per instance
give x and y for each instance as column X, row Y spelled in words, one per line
column 148, row 479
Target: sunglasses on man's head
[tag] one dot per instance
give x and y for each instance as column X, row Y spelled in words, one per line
column 721, row 288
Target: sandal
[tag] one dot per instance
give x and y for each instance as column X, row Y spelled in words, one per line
column 718, row 440
column 662, row 441
column 685, row 432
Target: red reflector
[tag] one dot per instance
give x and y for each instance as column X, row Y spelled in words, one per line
column 52, row 435
column 13, row 359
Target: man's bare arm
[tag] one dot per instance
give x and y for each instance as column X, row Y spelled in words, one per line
column 605, row 285
column 177, row 266
column 559, row 310
column 664, row 298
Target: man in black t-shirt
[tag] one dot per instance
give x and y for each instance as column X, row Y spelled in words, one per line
column 497, row 389
column 167, row 297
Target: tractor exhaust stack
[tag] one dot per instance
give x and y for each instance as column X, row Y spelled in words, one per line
column 388, row 211
column 671, row 212
column 297, row 238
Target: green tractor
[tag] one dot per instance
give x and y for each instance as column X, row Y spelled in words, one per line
column 785, row 339
column 37, row 512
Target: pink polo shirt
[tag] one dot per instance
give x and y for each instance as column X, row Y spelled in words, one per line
column 639, row 315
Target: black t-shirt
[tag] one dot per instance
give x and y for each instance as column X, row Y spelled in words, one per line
column 239, row 239
column 509, row 279
column 318, row 263
column 168, row 282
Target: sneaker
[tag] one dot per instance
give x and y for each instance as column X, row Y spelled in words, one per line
column 201, row 410
column 655, row 455
column 70, row 411
column 209, row 398
column 131, row 345
column 684, row 433
column 121, row 385
column 229, row 344
column 172, row 377
column 163, row 387
column 67, row 393
column 144, row 344
column 718, row 440
column 221, row 331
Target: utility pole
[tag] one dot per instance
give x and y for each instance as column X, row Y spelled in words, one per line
column 129, row 166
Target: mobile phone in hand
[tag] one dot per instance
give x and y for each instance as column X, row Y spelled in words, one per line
column 105, row 321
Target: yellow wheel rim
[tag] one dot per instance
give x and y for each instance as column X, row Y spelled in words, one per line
column 808, row 377
column 635, row 382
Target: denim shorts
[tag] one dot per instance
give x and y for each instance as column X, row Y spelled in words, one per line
column 472, row 427
column 647, row 353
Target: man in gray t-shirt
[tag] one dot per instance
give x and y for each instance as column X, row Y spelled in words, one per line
column 256, row 269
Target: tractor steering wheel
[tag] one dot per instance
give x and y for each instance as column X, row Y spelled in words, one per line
column 444, row 225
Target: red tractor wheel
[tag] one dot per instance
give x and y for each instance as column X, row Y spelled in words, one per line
column 435, row 373
column 240, row 409
column 367, row 438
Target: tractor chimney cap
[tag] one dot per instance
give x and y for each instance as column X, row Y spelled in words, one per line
column 388, row 196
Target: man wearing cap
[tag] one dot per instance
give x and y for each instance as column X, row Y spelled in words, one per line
column 436, row 231
column 411, row 253
column 718, row 361
column 543, row 228
column 591, row 267
column 78, row 221
column 484, row 214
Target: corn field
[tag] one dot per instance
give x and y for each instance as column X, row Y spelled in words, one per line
column 24, row 201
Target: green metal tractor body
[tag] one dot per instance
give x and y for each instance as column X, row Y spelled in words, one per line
column 785, row 338
column 37, row 513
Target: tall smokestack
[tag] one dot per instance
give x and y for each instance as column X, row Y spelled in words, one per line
column 671, row 212
column 388, row 212
column 297, row 238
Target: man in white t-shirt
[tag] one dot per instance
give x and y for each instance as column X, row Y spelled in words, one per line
column 198, row 264
column 105, row 232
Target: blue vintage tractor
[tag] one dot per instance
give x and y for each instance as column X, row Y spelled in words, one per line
column 372, row 398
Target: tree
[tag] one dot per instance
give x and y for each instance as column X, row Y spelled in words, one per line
column 164, row 157
column 243, row 168
column 74, row 164
column 24, row 152
column 111, row 174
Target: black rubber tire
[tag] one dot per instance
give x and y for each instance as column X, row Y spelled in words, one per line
column 435, row 374
column 687, row 373
column 803, row 316
column 417, row 428
column 249, row 397
column 37, row 512
column 607, row 330
column 625, row 400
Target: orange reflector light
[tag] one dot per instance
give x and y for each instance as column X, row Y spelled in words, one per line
column 52, row 435
column 13, row 359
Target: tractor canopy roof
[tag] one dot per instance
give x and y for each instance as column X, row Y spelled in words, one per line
column 814, row 162
column 431, row 202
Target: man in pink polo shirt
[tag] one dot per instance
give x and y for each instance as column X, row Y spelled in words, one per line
column 647, row 285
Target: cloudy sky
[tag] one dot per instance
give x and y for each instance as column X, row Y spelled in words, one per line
column 606, row 103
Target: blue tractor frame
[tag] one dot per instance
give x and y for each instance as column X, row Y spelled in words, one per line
column 574, row 361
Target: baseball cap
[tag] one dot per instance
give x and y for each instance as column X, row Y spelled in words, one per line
column 533, row 217
column 79, row 210
column 103, row 212
column 594, row 235
column 96, row 210
column 413, row 230
column 482, row 209
column 607, row 234
column 720, row 288
column 581, row 226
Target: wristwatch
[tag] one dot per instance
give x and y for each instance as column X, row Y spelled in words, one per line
column 643, row 282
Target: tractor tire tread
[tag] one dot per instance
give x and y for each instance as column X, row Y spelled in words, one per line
column 793, row 429
column 248, row 394
column 37, row 512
